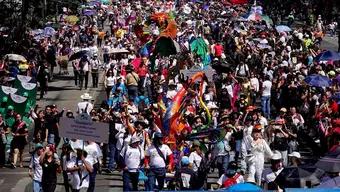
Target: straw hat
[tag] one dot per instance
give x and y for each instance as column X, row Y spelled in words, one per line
column 86, row 96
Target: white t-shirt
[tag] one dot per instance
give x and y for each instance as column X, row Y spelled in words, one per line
column 93, row 152
column 267, row 86
column 93, row 49
column 133, row 157
column 223, row 178
column 74, row 179
column 254, row 82
column 120, row 135
column 86, row 66
column 195, row 160
column 37, row 169
column 110, row 81
column 242, row 69
column 82, row 105
column 156, row 160
column 106, row 49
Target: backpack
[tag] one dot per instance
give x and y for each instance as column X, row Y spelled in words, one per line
column 201, row 174
column 231, row 181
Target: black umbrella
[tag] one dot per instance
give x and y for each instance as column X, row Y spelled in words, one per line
column 80, row 54
column 297, row 177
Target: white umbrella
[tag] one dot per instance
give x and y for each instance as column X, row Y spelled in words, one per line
column 15, row 57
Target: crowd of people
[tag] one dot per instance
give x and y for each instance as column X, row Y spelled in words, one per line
column 272, row 95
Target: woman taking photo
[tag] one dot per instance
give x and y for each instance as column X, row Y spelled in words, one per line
column 50, row 167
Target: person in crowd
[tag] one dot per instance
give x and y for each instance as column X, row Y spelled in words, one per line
column 109, row 82
column 52, row 123
column 185, row 176
column 66, row 154
column 50, row 163
column 275, row 170
column 196, row 156
column 35, row 169
column 265, row 98
column 222, row 150
column 84, row 68
column 78, row 169
column 230, row 176
column 42, row 77
column 3, row 141
column 280, row 142
column 131, row 81
column 85, row 106
column 95, row 65
column 258, row 149
column 156, row 162
column 133, row 156
column 19, row 141
column 94, row 154
column 40, row 130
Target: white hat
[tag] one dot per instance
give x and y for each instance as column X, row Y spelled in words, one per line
column 212, row 105
column 86, row 96
column 283, row 110
column 276, row 155
column 295, row 154
column 135, row 139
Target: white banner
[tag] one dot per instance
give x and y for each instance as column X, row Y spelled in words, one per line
column 82, row 127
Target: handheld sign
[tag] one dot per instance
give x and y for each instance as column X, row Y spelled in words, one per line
column 208, row 71
column 82, row 127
